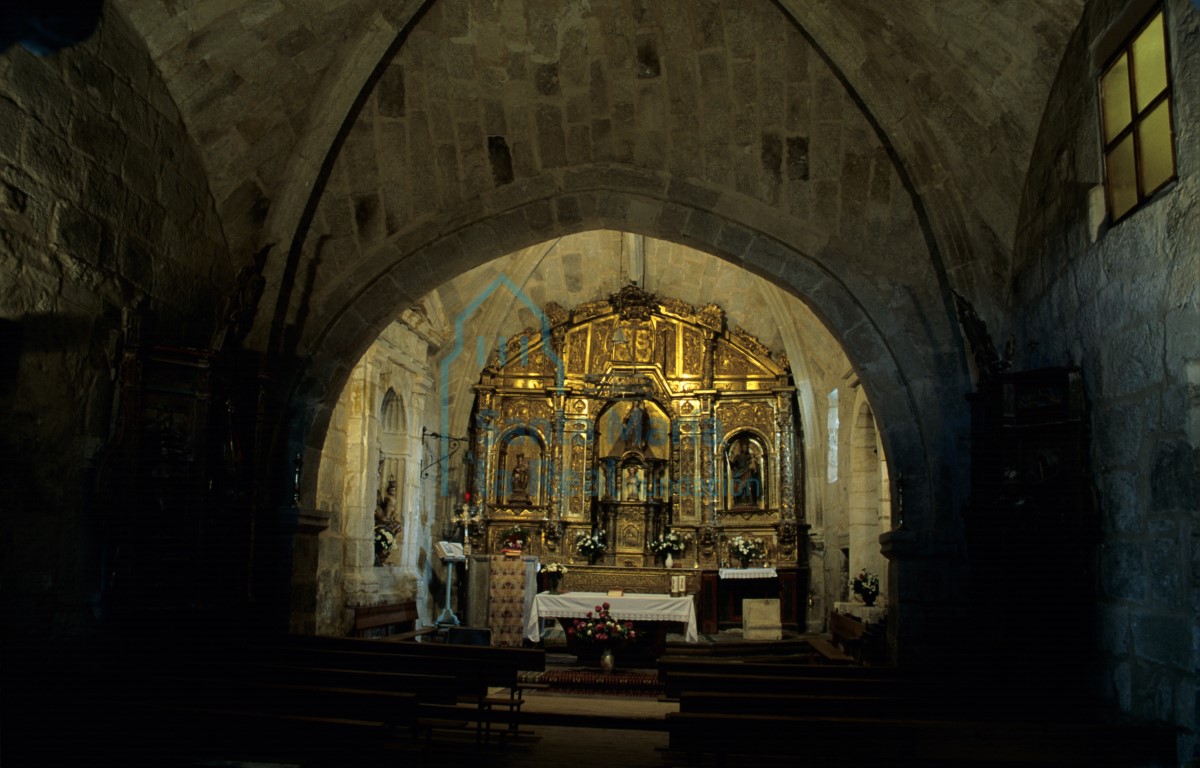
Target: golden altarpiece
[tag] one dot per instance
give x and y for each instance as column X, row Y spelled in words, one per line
column 630, row 417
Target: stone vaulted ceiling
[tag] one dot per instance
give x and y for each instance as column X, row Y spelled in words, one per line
column 955, row 91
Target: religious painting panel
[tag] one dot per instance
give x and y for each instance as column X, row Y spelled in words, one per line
column 633, row 425
column 745, row 471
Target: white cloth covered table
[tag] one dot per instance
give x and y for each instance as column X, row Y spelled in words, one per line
column 547, row 605
column 747, row 573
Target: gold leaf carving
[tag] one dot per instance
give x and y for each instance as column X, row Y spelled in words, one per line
column 731, row 361
column 577, row 351
column 712, row 316
column 693, row 352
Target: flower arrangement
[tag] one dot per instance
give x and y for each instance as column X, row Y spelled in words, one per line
column 384, row 541
column 554, row 573
column 745, row 549
column 672, row 543
column 514, row 537
column 601, row 628
column 591, row 544
column 866, row 585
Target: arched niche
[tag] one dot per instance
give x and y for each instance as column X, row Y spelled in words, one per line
column 746, row 464
column 522, row 468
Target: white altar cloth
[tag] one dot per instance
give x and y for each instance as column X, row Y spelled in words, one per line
column 548, row 605
column 747, row 573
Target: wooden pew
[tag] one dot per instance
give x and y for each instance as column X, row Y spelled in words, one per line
column 475, row 669
column 790, row 704
column 727, row 738
column 824, row 685
column 847, row 633
column 878, row 716
column 388, row 621
column 667, row 665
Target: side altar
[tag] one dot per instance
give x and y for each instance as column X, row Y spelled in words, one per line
column 635, row 433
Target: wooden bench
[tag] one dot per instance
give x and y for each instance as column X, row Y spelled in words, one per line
column 847, row 633
column 901, row 741
column 388, row 621
column 827, row 652
column 475, row 669
column 679, row 682
column 788, row 667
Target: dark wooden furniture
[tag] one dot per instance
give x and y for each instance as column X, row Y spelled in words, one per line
column 720, row 603
column 847, row 633
column 475, row 671
column 388, row 621
column 740, row 712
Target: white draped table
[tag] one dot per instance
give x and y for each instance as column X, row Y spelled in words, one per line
column 548, row 605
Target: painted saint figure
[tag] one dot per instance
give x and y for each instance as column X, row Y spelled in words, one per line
column 745, row 475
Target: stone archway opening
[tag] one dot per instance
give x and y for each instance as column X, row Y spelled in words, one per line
column 430, row 356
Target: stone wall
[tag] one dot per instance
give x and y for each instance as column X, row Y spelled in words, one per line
column 1123, row 303
column 105, row 216
column 399, row 361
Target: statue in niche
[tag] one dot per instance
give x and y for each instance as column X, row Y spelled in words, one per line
column 520, row 481
column 745, row 473
column 632, row 483
column 385, row 505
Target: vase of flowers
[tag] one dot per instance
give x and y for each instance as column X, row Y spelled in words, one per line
column 554, row 573
column 591, row 545
column 513, row 539
column 866, row 586
column 601, row 632
column 670, row 546
column 385, row 540
column 745, row 549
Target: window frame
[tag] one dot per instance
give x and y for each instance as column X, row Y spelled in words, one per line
column 1137, row 117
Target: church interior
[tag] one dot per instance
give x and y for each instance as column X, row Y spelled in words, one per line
column 881, row 311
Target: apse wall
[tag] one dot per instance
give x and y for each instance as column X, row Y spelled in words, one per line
column 1122, row 302
column 107, row 225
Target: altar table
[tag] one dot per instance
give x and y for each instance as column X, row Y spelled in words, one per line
column 548, row 605
column 723, row 590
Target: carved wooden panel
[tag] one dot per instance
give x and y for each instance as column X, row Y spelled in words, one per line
column 686, row 496
column 757, row 414
column 667, row 349
column 731, row 362
column 635, row 580
column 577, row 485
column 602, row 333
column 577, row 351
column 693, row 352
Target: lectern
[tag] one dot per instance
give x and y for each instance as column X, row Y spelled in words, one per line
column 450, row 553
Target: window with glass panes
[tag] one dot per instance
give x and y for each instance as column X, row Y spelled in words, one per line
column 1135, row 98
